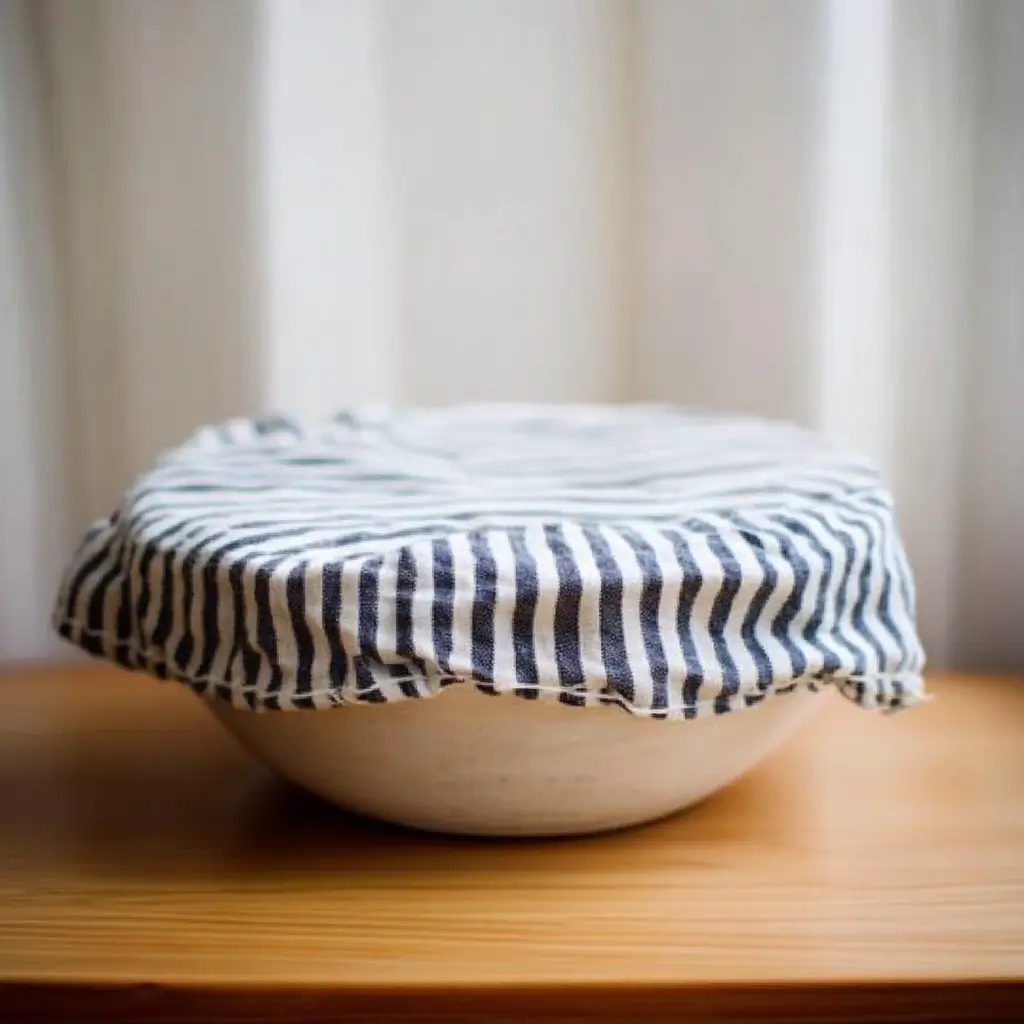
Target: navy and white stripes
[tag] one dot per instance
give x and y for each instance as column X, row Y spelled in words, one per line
column 670, row 564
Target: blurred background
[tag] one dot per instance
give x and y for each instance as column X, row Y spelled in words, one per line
column 809, row 209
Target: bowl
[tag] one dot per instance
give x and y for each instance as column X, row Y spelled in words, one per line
column 467, row 762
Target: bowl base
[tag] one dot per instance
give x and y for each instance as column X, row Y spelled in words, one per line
column 470, row 763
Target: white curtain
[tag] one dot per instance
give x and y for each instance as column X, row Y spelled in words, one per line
column 786, row 207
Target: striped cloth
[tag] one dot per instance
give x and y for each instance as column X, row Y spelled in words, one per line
column 667, row 563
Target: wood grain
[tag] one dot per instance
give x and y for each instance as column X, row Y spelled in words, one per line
column 874, row 866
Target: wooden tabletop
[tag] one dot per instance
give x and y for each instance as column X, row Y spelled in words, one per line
column 148, row 868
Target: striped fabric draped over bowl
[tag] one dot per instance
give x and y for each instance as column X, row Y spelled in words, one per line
column 670, row 563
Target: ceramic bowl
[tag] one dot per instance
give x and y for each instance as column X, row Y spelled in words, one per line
column 467, row 762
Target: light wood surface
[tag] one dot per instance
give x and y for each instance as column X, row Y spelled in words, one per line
column 147, row 864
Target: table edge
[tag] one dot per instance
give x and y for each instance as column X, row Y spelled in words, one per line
column 936, row 1000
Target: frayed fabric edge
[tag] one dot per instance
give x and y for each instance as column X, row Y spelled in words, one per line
column 885, row 692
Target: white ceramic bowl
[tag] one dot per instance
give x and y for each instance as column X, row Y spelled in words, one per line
column 466, row 762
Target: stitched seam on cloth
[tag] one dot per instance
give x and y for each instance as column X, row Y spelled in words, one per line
column 861, row 690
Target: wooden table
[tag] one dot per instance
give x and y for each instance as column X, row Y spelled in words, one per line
column 149, row 870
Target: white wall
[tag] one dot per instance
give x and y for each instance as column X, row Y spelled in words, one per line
column 444, row 200
column 991, row 540
column 154, row 109
column 326, row 190
column 512, row 198
column 35, row 524
column 930, row 199
column 728, row 122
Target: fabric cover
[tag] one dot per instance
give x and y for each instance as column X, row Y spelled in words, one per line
column 669, row 563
